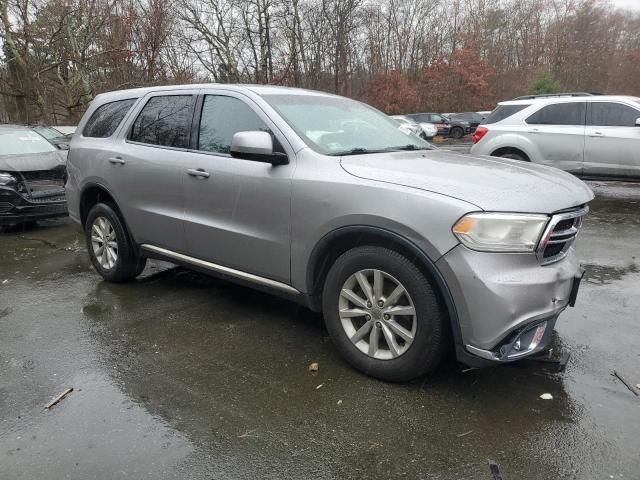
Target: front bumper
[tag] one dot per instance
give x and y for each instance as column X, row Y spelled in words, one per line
column 507, row 304
column 16, row 208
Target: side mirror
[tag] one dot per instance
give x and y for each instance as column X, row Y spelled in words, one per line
column 63, row 146
column 637, row 122
column 256, row 146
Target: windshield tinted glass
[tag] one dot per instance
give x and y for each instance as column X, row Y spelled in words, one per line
column 22, row 141
column 335, row 125
column 48, row 132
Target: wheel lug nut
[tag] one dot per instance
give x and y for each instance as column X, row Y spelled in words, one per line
column 369, row 305
column 378, row 325
column 386, row 317
column 368, row 317
column 380, row 303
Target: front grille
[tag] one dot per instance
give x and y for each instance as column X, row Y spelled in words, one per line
column 560, row 235
column 5, row 207
column 49, row 199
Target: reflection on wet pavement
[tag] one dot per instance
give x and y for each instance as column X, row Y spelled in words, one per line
column 178, row 375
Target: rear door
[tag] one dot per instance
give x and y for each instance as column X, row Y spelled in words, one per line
column 237, row 212
column 612, row 144
column 558, row 131
column 150, row 165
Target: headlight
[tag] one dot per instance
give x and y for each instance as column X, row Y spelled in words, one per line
column 500, row 232
column 6, row 179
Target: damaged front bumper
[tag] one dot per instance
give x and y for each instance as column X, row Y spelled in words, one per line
column 507, row 304
column 17, row 207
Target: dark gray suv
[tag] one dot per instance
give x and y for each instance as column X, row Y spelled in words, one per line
column 407, row 249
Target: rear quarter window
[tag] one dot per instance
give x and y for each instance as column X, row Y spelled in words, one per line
column 105, row 120
column 503, row 112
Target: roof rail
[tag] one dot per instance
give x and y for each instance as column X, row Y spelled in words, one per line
column 552, row 95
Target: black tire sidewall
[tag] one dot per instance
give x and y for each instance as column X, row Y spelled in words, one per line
column 514, row 156
column 429, row 343
column 457, row 132
column 128, row 263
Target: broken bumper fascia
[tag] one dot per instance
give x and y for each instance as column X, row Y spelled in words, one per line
column 507, row 304
column 16, row 208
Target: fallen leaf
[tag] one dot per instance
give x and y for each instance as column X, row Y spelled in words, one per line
column 546, row 396
column 339, row 402
column 313, row 367
column 320, row 386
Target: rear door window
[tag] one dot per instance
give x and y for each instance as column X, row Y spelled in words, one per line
column 560, row 114
column 165, row 120
column 503, row 112
column 420, row 117
column 106, row 118
column 609, row 114
column 221, row 118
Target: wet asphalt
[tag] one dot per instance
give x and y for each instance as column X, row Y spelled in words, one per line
column 178, row 375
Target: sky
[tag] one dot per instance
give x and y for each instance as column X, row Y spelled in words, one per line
column 630, row 4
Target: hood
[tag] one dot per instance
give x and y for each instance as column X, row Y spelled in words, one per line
column 31, row 162
column 490, row 183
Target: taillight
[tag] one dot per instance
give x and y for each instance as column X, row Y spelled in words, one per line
column 479, row 133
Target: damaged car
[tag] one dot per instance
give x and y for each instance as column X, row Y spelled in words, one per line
column 32, row 177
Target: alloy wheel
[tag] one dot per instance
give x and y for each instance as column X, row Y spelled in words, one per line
column 377, row 314
column 104, row 243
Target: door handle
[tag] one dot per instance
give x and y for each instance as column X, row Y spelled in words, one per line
column 117, row 161
column 198, row 172
column 596, row 134
column 535, row 130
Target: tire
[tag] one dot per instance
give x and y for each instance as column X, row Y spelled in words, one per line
column 515, row 156
column 105, row 227
column 456, row 132
column 428, row 325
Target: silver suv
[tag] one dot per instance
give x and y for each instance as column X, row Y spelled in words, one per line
column 587, row 135
column 407, row 249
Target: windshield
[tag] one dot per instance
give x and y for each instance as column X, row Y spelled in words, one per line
column 48, row 132
column 21, row 141
column 339, row 126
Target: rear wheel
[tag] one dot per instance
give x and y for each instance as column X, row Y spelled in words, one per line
column 111, row 251
column 383, row 314
column 456, row 132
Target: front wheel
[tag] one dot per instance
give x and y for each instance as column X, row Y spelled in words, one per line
column 383, row 314
column 111, row 251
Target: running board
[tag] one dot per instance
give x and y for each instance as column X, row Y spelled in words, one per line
column 221, row 269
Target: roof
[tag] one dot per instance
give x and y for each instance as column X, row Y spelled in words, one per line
column 557, row 99
column 257, row 89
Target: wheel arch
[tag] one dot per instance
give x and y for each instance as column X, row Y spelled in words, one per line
column 94, row 193
column 505, row 150
column 342, row 239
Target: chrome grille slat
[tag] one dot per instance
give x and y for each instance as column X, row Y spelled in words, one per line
column 560, row 235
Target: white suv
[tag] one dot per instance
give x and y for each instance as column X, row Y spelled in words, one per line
column 588, row 135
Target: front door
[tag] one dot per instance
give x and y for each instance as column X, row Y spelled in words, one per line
column 237, row 212
column 612, row 146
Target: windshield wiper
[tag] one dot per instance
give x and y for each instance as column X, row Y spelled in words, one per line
column 354, row 151
column 410, row 146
